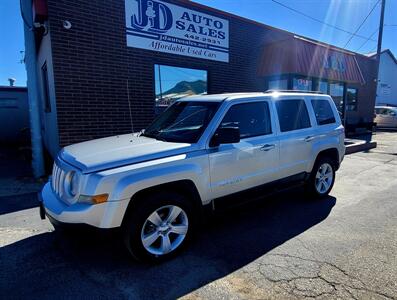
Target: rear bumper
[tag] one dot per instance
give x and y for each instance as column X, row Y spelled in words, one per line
column 104, row 215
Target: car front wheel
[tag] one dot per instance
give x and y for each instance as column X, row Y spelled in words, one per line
column 159, row 227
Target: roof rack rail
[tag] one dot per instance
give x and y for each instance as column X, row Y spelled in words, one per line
column 294, row 91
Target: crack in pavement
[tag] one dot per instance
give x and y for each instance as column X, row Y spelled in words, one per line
column 318, row 281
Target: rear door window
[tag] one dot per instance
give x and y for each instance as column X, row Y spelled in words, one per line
column 323, row 111
column 292, row 114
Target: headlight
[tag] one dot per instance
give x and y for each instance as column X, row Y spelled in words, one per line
column 72, row 183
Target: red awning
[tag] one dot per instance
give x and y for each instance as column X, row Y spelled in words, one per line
column 304, row 57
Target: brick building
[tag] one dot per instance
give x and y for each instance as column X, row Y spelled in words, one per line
column 98, row 57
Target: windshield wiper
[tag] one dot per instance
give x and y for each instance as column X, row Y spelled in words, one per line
column 155, row 135
column 140, row 133
column 152, row 134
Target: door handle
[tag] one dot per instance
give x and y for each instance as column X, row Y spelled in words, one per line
column 309, row 138
column 267, row 147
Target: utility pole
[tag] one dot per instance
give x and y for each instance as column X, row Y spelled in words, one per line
column 379, row 49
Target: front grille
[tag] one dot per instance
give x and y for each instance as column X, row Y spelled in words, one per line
column 58, row 178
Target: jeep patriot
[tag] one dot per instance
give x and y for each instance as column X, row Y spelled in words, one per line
column 155, row 184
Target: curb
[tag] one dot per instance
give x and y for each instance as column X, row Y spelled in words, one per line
column 360, row 146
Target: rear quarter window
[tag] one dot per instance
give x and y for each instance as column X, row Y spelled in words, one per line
column 292, row 114
column 323, row 112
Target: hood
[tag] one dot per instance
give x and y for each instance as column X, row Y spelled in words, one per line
column 115, row 151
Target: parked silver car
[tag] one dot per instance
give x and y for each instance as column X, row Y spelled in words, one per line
column 155, row 184
column 386, row 116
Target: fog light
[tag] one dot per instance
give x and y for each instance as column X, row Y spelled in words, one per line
column 96, row 199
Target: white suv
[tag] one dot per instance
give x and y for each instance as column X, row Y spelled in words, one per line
column 155, row 184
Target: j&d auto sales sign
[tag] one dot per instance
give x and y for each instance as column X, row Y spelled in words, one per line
column 164, row 27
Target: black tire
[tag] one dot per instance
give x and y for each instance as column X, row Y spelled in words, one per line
column 311, row 189
column 137, row 219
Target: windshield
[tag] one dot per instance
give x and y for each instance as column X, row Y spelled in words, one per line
column 183, row 122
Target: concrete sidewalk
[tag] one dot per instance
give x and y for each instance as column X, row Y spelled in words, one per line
column 359, row 143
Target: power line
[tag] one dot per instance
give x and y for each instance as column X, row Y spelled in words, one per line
column 319, row 21
column 366, row 41
column 362, row 23
column 373, row 49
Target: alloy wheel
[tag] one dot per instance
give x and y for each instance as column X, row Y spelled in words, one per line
column 164, row 230
column 324, row 178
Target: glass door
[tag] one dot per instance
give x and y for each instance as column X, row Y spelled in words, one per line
column 336, row 91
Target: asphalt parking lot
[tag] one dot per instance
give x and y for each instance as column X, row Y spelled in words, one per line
column 284, row 247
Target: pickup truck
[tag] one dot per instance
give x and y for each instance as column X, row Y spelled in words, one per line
column 155, row 184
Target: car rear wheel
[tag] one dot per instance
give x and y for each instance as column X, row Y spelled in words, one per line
column 322, row 178
column 159, row 227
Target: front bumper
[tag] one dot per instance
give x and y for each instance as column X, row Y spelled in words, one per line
column 105, row 215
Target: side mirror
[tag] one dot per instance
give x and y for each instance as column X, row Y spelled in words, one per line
column 393, row 113
column 225, row 135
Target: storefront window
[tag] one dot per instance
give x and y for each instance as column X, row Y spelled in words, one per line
column 302, row 84
column 322, row 86
column 278, row 84
column 351, row 104
column 172, row 83
column 336, row 92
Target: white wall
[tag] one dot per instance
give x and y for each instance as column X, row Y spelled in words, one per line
column 387, row 85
